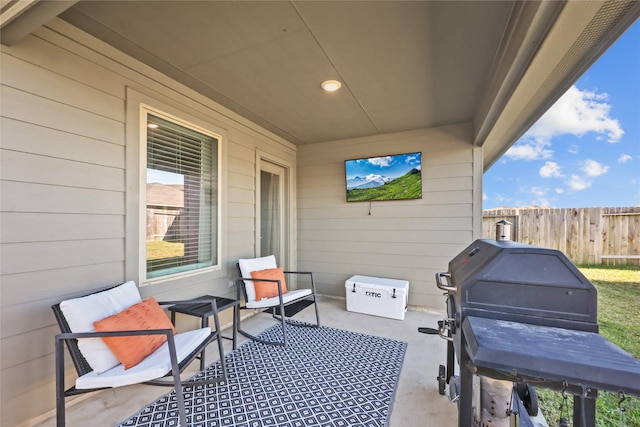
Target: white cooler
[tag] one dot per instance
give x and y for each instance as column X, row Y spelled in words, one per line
column 377, row 296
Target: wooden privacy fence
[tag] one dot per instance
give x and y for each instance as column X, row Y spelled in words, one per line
column 586, row 235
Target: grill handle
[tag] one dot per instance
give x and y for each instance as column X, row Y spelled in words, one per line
column 441, row 285
column 444, row 328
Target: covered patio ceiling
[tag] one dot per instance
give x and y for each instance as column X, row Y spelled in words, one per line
column 403, row 65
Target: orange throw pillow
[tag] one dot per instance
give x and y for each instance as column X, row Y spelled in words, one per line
column 145, row 315
column 268, row 289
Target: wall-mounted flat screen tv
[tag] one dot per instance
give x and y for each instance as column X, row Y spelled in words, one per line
column 396, row 177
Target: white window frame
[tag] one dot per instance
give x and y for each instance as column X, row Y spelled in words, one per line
column 138, row 106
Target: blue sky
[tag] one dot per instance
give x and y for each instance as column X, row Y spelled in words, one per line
column 389, row 166
column 585, row 151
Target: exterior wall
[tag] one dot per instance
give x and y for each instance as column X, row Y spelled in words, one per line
column 68, row 201
column 411, row 239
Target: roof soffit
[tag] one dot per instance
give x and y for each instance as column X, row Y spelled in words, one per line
column 581, row 33
column 404, row 65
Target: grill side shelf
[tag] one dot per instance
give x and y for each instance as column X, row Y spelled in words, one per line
column 534, row 353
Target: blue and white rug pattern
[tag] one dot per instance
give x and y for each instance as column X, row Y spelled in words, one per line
column 323, row 377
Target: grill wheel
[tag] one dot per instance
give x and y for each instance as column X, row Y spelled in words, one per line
column 442, row 379
column 529, row 398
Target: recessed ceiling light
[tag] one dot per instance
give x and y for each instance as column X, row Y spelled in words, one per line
column 152, row 126
column 331, row 85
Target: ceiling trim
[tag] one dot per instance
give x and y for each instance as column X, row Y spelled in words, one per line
column 529, row 25
column 21, row 18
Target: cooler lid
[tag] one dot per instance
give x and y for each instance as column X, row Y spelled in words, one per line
column 378, row 282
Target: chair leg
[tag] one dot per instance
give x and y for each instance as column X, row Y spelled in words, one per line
column 60, row 407
column 182, row 413
column 236, row 311
column 315, row 306
column 305, row 325
column 284, row 324
column 281, row 317
column 247, row 334
column 315, row 299
column 216, row 322
column 260, row 340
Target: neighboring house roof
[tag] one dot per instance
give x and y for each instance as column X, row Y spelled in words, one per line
column 165, row 195
column 404, row 65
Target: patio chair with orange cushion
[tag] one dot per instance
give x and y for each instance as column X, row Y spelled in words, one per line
column 264, row 286
column 116, row 339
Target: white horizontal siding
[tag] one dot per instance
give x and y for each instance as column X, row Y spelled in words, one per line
column 51, row 227
column 29, row 107
column 38, row 256
column 28, row 197
column 64, row 192
column 36, row 341
column 411, row 239
column 27, row 138
column 389, row 210
column 40, row 169
column 375, row 223
column 61, row 89
column 386, row 236
column 44, row 285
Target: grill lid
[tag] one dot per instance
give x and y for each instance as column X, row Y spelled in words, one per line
column 511, row 277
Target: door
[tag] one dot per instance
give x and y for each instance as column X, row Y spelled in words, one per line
column 273, row 211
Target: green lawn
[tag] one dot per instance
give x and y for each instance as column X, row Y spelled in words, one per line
column 160, row 250
column 408, row 186
column 619, row 318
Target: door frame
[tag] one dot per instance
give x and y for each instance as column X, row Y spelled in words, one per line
column 288, row 199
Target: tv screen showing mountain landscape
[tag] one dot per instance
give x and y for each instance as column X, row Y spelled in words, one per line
column 397, row 177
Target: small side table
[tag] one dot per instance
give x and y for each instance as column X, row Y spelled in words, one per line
column 203, row 311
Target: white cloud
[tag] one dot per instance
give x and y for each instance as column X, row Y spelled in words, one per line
column 500, row 198
column 550, row 169
column 559, row 190
column 624, row 158
column 530, row 150
column 577, row 113
column 576, row 183
column 484, row 196
column 380, row 161
column 593, row 168
column 538, row 191
column 535, row 196
column 373, row 177
column 412, row 160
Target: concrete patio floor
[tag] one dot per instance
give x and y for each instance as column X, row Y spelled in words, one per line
column 417, row 402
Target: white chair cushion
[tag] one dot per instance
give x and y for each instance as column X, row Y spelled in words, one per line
column 288, row 297
column 80, row 314
column 254, row 264
column 156, row 365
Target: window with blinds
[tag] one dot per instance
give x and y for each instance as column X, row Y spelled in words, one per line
column 181, row 198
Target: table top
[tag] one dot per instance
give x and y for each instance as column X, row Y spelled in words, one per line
column 584, row 359
column 196, row 308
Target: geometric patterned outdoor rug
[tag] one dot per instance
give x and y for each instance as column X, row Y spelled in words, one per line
column 323, row 377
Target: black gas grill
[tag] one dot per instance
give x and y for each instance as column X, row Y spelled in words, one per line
column 526, row 314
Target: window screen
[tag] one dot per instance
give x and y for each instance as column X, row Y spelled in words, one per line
column 181, row 198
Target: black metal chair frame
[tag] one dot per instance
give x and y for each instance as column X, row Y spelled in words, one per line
column 82, row 366
column 240, row 288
